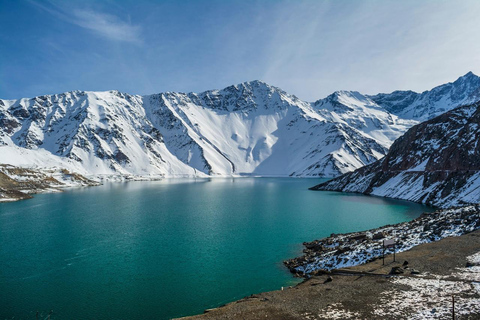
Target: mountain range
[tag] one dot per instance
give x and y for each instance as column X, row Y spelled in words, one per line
column 247, row 129
column 436, row 162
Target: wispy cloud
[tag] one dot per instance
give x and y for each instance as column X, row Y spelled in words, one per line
column 102, row 24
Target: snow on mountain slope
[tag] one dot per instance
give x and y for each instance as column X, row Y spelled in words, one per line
column 435, row 162
column 254, row 128
column 250, row 128
column 360, row 112
column 429, row 104
column 90, row 132
column 233, row 127
column 247, row 129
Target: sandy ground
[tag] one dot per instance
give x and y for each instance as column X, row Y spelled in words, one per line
column 369, row 292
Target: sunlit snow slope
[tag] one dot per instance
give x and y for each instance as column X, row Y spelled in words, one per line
column 248, row 129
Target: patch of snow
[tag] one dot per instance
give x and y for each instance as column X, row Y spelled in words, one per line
column 428, row 299
column 337, row 311
column 427, row 228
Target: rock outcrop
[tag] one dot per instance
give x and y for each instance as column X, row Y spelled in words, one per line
column 19, row 183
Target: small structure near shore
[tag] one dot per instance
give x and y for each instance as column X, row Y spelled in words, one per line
column 389, row 244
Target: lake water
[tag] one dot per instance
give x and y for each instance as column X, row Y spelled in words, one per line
column 156, row 250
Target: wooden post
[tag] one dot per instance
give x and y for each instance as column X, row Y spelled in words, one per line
column 383, row 254
column 394, row 249
column 453, row 307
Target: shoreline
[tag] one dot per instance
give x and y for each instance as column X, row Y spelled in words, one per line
column 437, row 257
column 29, row 181
column 351, row 249
column 18, row 183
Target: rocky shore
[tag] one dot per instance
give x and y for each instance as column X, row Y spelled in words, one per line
column 437, row 263
column 345, row 250
column 19, row 183
column 423, row 283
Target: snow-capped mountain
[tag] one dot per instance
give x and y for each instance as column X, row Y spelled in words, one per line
column 429, row 104
column 251, row 128
column 88, row 132
column 435, row 162
column 247, row 129
column 254, row 128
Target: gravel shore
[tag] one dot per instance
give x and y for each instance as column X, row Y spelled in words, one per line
column 422, row 284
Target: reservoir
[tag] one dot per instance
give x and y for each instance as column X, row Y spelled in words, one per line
column 170, row 248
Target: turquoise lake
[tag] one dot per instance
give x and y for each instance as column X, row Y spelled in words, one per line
column 163, row 249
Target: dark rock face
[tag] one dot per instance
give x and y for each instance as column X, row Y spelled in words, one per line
column 396, row 270
column 448, row 142
column 436, row 162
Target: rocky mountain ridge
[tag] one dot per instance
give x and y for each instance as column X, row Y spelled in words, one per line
column 431, row 103
column 247, row 129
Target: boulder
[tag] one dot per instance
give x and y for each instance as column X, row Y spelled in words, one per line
column 396, row 270
column 359, row 237
column 378, row 236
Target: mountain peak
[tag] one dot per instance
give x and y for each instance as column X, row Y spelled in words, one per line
column 256, row 83
column 469, row 76
column 421, row 167
column 347, row 93
column 250, row 127
column 346, row 97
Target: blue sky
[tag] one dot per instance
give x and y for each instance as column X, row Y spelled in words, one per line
column 308, row 48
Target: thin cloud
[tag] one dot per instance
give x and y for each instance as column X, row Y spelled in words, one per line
column 102, row 24
column 107, row 25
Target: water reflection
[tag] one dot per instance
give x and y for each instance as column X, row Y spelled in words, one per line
column 167, row 248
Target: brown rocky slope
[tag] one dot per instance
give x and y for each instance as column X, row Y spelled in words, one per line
column 436, row 162
column 19, row 183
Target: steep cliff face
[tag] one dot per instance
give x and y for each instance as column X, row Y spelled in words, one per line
column 436, row 162
column 87, row 132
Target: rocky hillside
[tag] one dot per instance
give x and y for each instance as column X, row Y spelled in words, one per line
column 435, row 162
column 19, row 183
column 351, row 249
